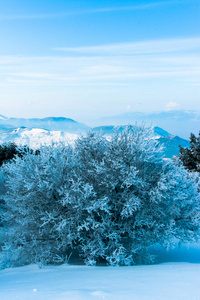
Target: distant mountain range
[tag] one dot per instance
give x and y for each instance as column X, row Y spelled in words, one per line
column 178, row 122
column 170, row 142
column 51, row 123
column 2, row 117
column 35, row 132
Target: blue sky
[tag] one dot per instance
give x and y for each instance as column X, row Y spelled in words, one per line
column 88, row 59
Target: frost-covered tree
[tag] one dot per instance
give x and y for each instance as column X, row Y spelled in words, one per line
column 8, row 152
column 1, row 200
column 35, row 188
column 110, row 199
column 141, row 198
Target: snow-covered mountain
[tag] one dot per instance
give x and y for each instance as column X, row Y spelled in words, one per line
column 109, row 130
column 36, row 132
column 35, row 137
column 49, row 130
column 170, row 142
column 178, row 122
column 2, row 118
column 51, row 123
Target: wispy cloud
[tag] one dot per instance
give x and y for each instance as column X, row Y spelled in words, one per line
column 176, row 60
column 33, row 75
column 146, row 47
column 91, row 11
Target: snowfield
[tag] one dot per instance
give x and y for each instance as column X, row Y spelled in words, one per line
column 36, row 137
column 168, row 280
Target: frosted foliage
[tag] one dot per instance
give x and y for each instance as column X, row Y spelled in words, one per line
column 110, row 200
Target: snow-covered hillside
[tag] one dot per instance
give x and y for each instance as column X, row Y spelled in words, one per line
column 37, row 132
column 35, row 137
column 175, row 278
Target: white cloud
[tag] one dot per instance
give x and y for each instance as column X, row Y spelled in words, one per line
column 172, row 105
column 33, row 75
column 176, row 60
column 145, row 47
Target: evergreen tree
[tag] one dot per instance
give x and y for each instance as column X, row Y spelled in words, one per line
column 191, row 156
column 8, row 152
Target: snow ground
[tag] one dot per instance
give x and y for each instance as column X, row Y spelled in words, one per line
column 176, row 277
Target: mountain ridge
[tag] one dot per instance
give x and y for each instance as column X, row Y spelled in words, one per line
column 177, row 122
column 35, row 132
column 49, row 123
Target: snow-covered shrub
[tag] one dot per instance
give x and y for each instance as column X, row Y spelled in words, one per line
column 1, row 199
column 137, row 199
column 110, row 199
column 36, row 186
